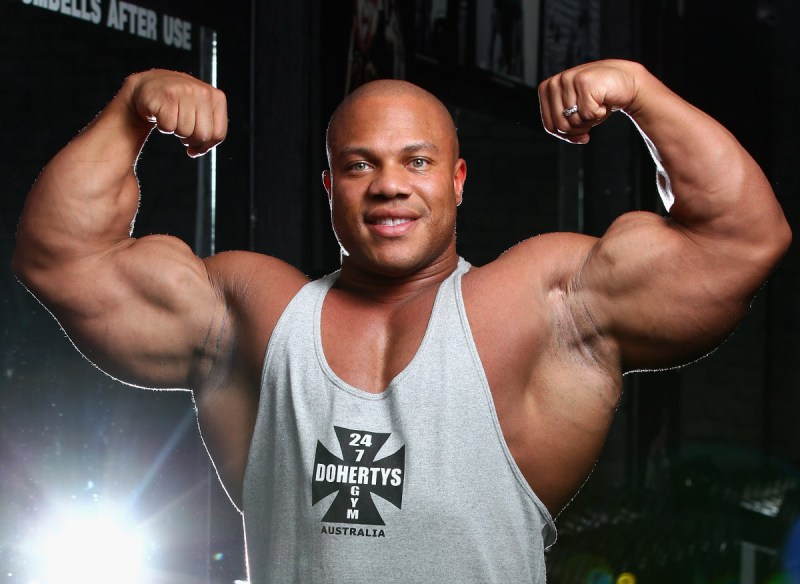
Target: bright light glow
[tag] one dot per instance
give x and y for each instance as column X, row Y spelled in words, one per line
column 94, row 548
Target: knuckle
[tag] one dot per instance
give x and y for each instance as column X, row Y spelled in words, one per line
column 204, row 92
column 542, row 88
column 169, row 96
column 201, row 137
column 221, row 101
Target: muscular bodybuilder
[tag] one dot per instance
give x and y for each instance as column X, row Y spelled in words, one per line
column 409, row 418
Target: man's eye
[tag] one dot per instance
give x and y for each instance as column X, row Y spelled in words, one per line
column 419, row 163
column 358, row 166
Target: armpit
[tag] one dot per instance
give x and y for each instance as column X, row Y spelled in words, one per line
column 576, row 333
column 213, row 359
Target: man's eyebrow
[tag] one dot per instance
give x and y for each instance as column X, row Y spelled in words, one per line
column 355, row 150
column 417, row 146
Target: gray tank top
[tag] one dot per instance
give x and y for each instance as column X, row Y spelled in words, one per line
column 415, row 484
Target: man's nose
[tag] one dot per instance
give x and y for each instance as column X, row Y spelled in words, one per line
column 389, row 181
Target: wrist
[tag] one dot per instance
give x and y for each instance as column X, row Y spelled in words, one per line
column 126, row 103
column 642, row 81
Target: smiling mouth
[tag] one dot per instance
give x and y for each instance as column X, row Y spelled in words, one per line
column 391, row 221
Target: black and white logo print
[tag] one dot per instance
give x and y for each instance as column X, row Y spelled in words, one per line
column 357, row 477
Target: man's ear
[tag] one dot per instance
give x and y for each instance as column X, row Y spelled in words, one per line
column 459, row 178
column 326, row 182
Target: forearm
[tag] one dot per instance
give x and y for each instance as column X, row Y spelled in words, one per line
column 86, row 197
column 708, row 182
column 719, row 191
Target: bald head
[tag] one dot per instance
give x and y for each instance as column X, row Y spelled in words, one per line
column 389, row 93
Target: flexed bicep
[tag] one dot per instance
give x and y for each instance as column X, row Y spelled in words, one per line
column 665, row 296
column 669, row 289
column 139, row 308
column 145, row 312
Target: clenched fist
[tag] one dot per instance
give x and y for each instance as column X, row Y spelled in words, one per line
column 179, row 104
column 576, row 100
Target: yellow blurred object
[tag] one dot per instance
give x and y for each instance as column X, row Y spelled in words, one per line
column 626, row 578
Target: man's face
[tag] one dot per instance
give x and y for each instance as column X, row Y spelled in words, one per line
column 394, row 184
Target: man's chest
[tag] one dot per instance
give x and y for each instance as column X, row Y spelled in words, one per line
column 366, row 344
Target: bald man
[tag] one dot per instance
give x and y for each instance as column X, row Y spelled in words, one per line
column 408, row 418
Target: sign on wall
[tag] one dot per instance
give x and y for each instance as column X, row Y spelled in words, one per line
column 124, row 17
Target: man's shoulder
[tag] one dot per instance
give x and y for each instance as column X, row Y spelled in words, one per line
column 254, row 285
column 237, row 268
column 520, row 294
column 541, row 262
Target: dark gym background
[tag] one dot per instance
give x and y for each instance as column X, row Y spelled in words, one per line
column 699, row 482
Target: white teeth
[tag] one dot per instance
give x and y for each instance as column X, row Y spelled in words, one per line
column 392, row 221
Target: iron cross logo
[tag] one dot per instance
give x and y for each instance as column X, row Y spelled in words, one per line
column 357, row 476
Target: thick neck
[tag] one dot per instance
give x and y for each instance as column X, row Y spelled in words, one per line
column 390, row 289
